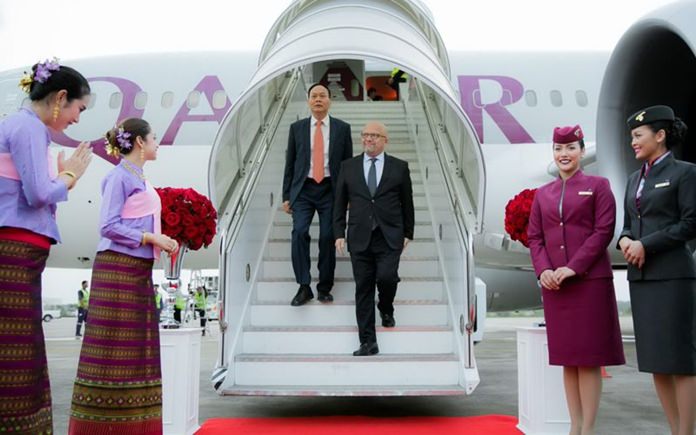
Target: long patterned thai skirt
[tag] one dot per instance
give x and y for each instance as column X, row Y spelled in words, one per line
column 118, row 389
column 25, row 393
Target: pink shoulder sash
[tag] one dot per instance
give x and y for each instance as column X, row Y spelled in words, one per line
column 146, row 203
column 9, row 170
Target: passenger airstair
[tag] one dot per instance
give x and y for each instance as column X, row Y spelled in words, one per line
column 283, row 350
column 269, row 347
column 310, row 347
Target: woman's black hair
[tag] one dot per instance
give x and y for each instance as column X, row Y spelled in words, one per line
column 66, row 78
column 675, row 131
column 135, row 126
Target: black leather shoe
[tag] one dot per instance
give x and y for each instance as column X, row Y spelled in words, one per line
column 325, row 297
column 367, row 349
column 304, row 294
column 387, row 320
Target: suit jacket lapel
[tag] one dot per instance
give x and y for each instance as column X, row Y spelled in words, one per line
column 361, row 173
column 633, row 189
column 386, row 173
column 307, row 140
column 333, row 131
column 655, row 175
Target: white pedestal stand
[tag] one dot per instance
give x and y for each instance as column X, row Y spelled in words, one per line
column 180, row 351
column 541, row 402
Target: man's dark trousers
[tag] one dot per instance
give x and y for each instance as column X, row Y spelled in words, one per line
column 319, row 197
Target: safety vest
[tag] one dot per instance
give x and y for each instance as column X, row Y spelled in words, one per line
column 200, row 301
column 180, row 302
column 84, row 302
column 158, row 300
column 398, row 74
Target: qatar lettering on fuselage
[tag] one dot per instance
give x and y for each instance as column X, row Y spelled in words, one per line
column 469, row 90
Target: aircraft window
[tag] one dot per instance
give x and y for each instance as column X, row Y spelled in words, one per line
column 219, row 99
column 92, row 100
column 581, row 98
column 167, row 99
column 116, row 100
column 556, row 98
column 530, row 98
column 140, row 100
column 193, row 99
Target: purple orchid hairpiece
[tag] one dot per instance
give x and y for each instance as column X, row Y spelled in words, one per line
column 123, row 138
column 43, row 70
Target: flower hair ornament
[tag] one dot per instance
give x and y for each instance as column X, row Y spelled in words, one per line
column 43, row 72
column 124, row 143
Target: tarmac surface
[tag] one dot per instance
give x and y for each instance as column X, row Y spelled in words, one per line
column 629, row 403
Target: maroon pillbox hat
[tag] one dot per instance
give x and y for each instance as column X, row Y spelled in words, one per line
column 567, row 134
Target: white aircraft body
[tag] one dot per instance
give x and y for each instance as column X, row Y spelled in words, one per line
column 513, row 100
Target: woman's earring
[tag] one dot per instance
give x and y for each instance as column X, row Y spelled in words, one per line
column 142, row 154
column 56, row 112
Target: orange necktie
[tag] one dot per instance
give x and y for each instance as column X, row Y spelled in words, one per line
column 318, row 154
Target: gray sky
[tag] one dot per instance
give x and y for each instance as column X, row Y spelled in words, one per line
column 31, row 30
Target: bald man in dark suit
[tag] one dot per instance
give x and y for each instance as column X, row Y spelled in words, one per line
column 381, row 220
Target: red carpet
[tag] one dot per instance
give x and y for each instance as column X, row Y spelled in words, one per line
column 484, row 425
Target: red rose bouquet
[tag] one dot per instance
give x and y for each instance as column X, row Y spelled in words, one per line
column 517, row 213
column 187, row 216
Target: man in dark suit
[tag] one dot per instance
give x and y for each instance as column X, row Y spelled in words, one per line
column 316, row 147
column 380, row 225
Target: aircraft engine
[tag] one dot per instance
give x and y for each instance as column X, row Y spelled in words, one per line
column 653, row 63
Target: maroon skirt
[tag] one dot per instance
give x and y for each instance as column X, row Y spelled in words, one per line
column 582, row 324
column 25, row 393
column 118, row 388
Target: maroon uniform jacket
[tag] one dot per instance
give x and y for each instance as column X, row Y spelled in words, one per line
column 571, row 224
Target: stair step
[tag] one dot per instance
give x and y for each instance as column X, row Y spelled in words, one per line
column 344, row 339
column 344, row 269
column 406, row 256
column 342, row 313
column 344, row 289
column 350, row 391
column 420, row 215
column 337, row 370
column 283, row 229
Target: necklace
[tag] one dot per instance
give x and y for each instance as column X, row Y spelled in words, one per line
column 133, row 171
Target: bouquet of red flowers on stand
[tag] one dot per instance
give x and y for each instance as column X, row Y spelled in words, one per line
column 187, row 216
column 517, row 213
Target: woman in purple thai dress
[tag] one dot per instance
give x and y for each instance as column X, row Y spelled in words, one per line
column 31, row 186
column 118, row 388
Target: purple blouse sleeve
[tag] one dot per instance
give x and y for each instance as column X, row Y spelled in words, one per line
column 114, row 194
column 28, row 149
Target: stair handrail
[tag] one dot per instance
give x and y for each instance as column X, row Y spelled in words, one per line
column 453, row 188
column 231, row 225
